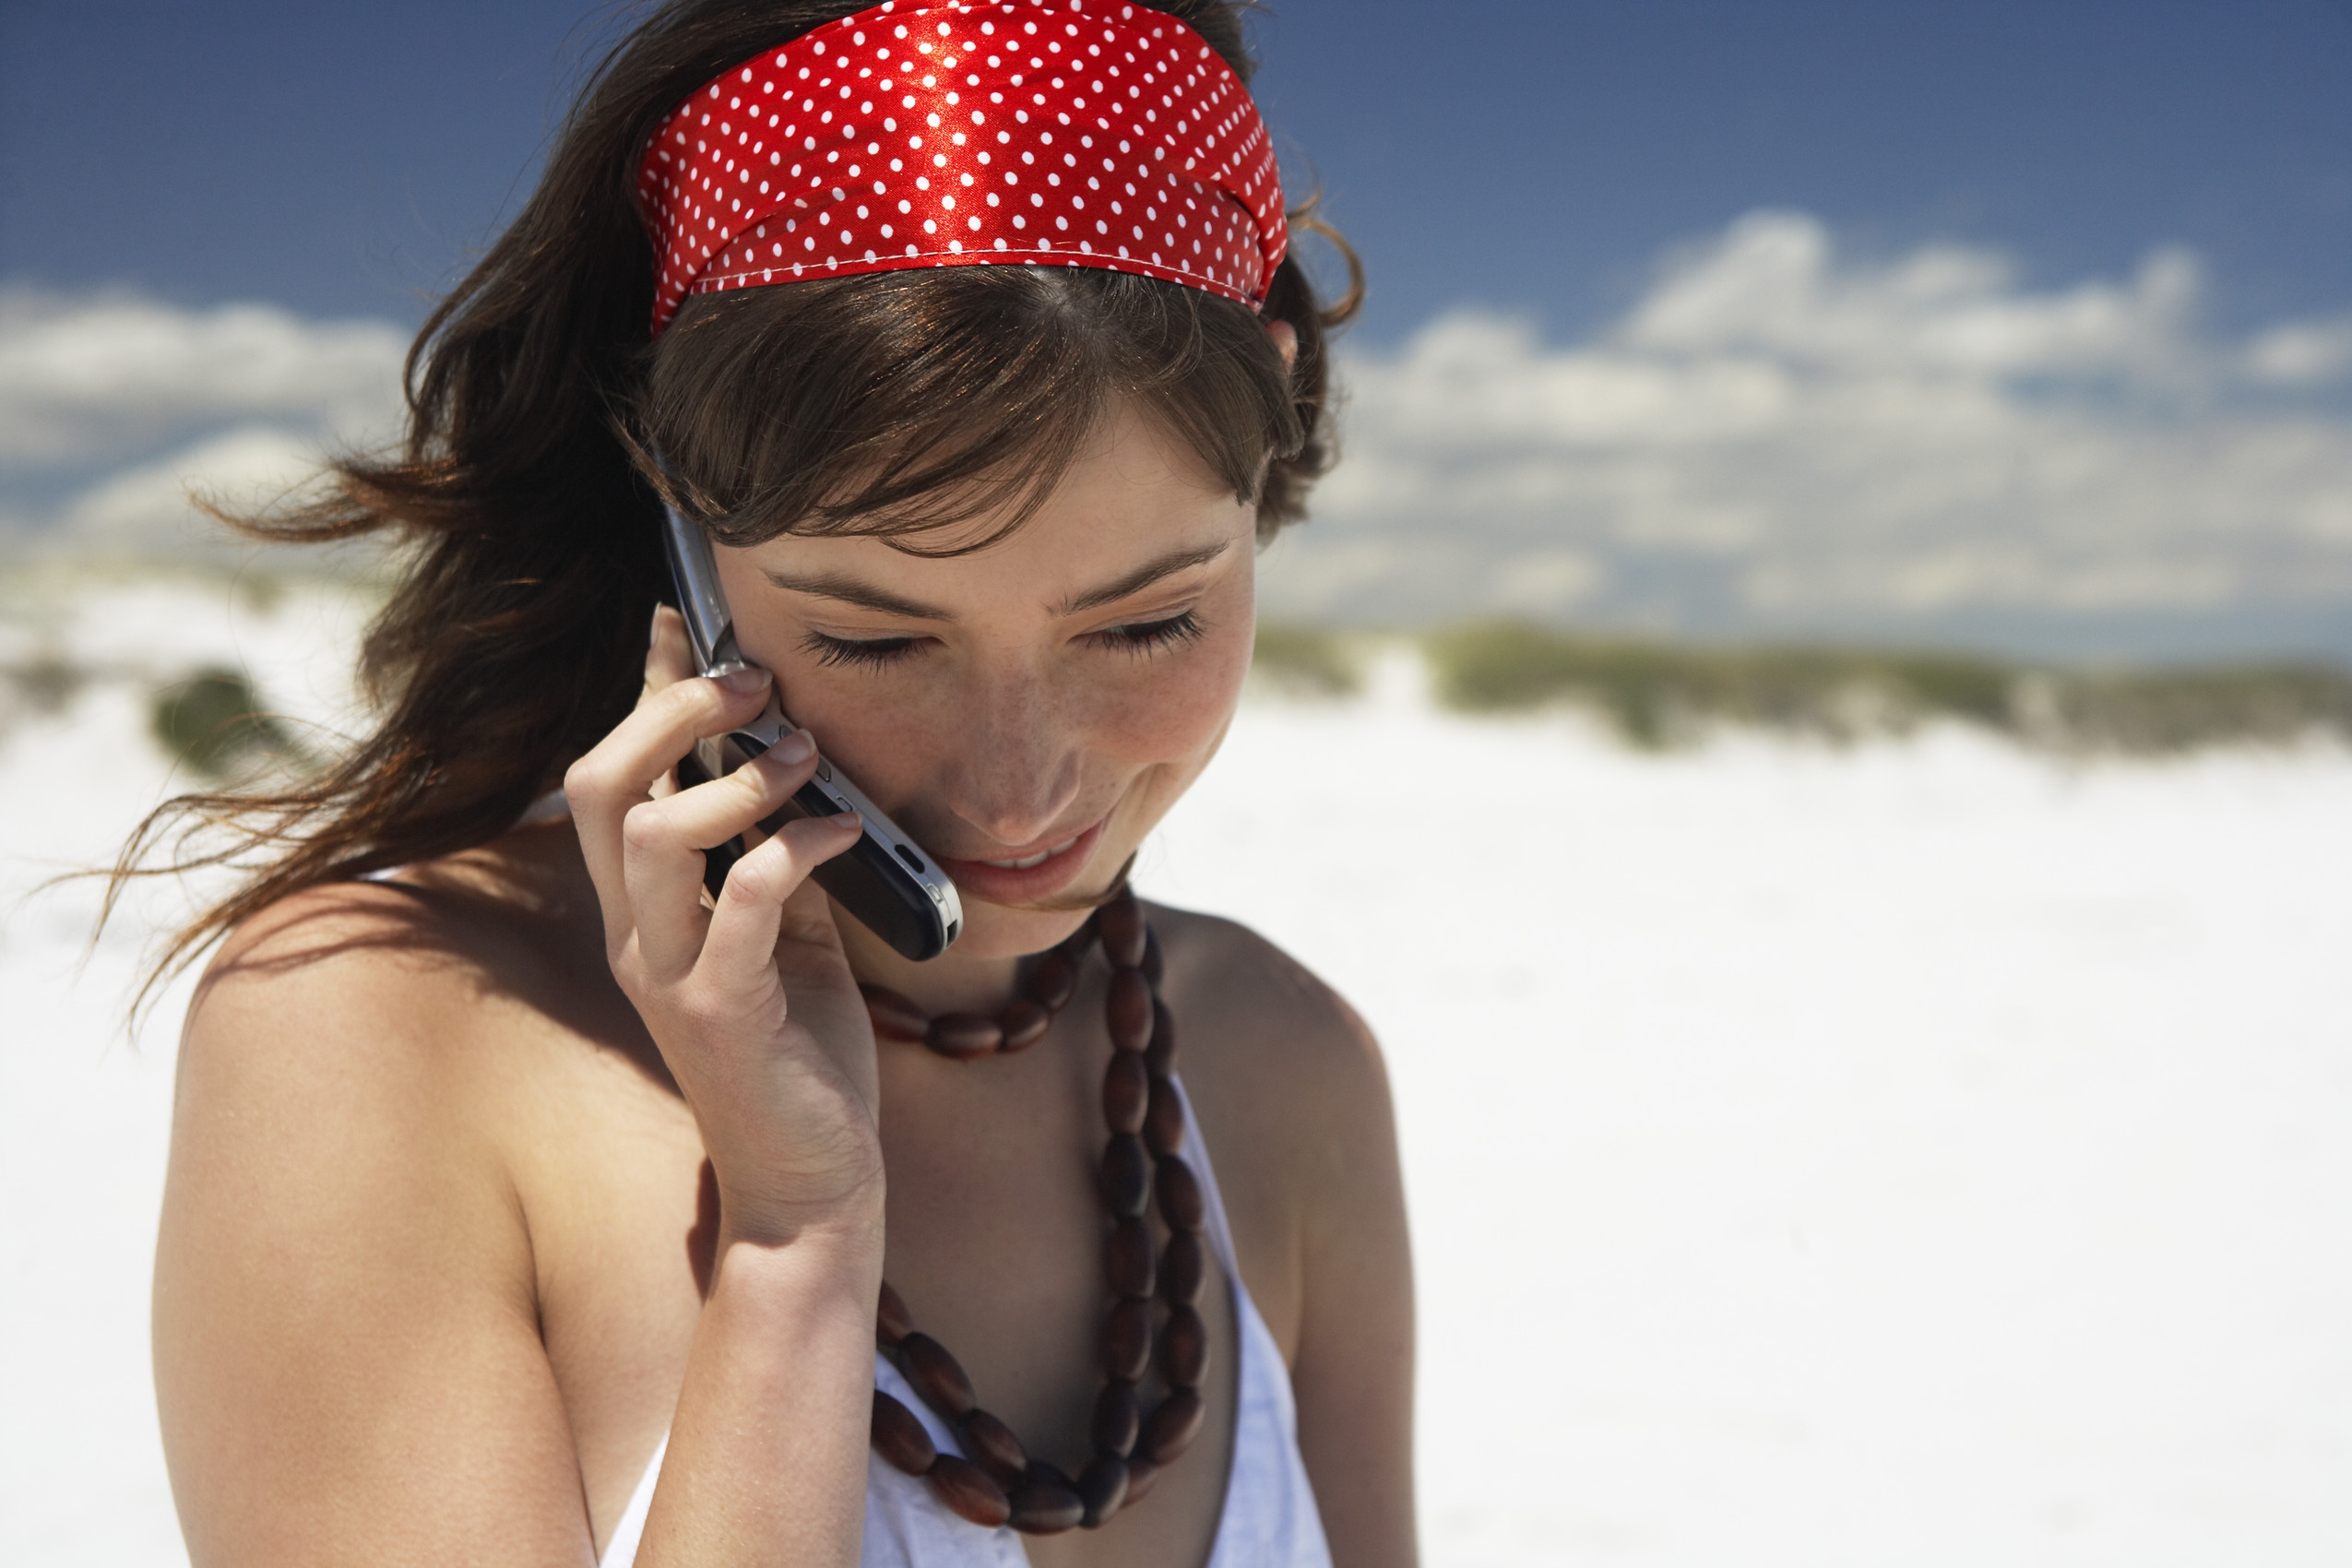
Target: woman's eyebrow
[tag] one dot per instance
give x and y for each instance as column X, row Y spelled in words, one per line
column 1143, row 577
column 849, row 590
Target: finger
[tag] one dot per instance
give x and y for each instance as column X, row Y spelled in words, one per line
column 669, row 658
column 663, row 843
column 739, row 952
column 619, row 773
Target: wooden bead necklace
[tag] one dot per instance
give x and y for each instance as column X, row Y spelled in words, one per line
column 1000, row 1484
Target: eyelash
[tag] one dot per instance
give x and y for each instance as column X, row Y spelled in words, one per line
column 831, row 651
column 1141, row 640
column 1151, row 636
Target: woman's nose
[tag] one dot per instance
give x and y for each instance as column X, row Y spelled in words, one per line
column 1017, row 765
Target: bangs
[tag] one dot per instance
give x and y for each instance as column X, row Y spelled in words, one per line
column 908, row 405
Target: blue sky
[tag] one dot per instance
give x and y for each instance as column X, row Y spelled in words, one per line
column 2005, row 323
column 339, row 159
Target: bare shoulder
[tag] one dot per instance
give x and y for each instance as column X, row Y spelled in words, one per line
column 334, row 1043
column 416, row 973
column 332, row 950
column 359, row 1036
column 1292, row 1096
column 1235, row 989
column 322, row 1002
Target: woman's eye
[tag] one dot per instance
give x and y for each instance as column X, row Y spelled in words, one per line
column 1150, row 637
column 871, row 652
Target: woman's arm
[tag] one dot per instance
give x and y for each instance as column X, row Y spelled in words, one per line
column 1354, row 1371
column 347, row 1327
column 346, row 1353
column 761, row 1024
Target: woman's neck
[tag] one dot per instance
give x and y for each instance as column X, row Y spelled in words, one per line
column 960, row 980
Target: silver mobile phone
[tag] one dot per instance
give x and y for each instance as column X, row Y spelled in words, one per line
column 884, row 879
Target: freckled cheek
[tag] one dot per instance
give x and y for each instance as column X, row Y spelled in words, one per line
column 1176, row 714
column 883, row 738
column 898, row 736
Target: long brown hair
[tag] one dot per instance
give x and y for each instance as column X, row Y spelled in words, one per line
column 898, row 404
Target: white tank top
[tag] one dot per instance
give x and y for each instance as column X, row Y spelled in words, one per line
column 1269, row 1518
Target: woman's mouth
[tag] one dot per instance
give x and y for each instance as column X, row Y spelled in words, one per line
column 1024, row 879
column 1037, row 860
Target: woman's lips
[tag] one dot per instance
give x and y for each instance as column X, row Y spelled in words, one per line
column 1028, row 879
column 1026, row 861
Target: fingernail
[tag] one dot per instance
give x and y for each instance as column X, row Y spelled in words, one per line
column 796, row 747
column 744, row 682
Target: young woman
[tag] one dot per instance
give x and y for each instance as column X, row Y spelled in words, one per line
column 528, row 1203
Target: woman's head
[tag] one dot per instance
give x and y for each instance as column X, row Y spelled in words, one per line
column 996, row 445
column 1028, row 709
column 905, row 405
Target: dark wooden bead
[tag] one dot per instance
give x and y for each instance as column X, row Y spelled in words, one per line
column 1126, row 1093
column 1182, row 1267
column 963, row 1035
column 1046, row 1474
column 1160, row 1054
column 893, row 1015
column 995, row 1449
column 967, row 1491
column 1119, row 925
column 1103, row 1489
column 1052, row 981
column 1023, row 1023
column 1126, row 1259
column 1164, row 1120
column 1118, row 1418
column 1125, row 1182
column 1128, row 1011
column 1180, row 1195
column 892, row 1321
column 1040, row 1510
column 899, row 1437
column 1183, row 1348
column 936, row 1375
column 1126, row 1342
column 1170, row 1430
column 1001, row 1483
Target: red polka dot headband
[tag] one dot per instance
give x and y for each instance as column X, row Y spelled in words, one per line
column 957, row 133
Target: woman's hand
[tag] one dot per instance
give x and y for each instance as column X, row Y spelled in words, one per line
column 752, row 1004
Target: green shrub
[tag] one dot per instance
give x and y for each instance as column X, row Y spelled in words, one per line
column 212, row 724
column 1658, row 693
column 1307, row 660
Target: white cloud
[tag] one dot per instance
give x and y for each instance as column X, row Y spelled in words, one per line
column 147, row 512
column 2302, row 353
column 1771, row 286
column 83, row 376
column 1775, row 435
column 243, row 400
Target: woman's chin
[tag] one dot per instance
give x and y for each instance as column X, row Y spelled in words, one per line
column 999, row 931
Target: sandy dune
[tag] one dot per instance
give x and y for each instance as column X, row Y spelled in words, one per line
column 1920, row 1154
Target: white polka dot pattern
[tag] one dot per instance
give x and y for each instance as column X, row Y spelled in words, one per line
column 1078, row 133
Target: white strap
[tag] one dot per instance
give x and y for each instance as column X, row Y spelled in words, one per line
column 1196, row 1152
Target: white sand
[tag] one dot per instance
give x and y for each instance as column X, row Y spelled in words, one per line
column 1914, row 1156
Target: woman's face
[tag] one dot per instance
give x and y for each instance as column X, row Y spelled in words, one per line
column 1029, row 711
